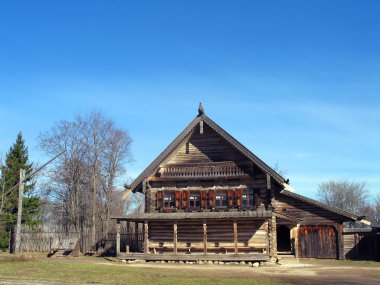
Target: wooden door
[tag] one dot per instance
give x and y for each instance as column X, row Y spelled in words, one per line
column 317, row 242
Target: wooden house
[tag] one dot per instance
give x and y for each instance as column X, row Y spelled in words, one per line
column 207, row 197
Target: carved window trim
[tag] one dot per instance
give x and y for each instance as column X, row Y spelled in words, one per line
column 248, row 198
column 221, row 199
column 168, row 200
column 195, row 200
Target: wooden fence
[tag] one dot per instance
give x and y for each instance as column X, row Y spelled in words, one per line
column 41, row 241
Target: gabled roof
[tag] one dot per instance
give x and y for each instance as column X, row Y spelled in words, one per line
column 321, row 205
column 186, row 133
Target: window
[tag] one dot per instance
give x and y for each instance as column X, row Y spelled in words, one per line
column 221, row 199
column 248, row 198
column 169, row 199
column 195, row 199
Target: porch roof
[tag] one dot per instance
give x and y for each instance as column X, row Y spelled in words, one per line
column 258, row 214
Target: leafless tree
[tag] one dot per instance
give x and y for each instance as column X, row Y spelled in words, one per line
column 280, row 171
column 95, row 126
column 372, row 211
column 68, row 177
column 82, row 181
column 347, row 195
column 113, row 158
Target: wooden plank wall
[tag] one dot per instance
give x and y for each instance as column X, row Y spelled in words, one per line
column 317, row 242
column 219, row 234
column 362, row 245
column 207, row 147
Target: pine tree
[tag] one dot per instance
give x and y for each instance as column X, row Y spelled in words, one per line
column 16, row 159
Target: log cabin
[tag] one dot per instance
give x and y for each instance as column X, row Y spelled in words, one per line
column 207, row 197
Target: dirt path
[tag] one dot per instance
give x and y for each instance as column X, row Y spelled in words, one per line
column 303, row 273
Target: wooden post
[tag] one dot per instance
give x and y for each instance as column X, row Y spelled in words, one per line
column 137, row 236
column 175, row 237
column 272, row 224
column 117, row 238
column 146, row 238
column 19, row 211
column 204, row 237
column 144, row 186
column 267, row 239
column 268, row 182
column 128, row 237
column 340, row 246
column 235, row 237
column 296, row 247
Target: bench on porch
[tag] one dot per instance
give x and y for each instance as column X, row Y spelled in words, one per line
column 200, row 249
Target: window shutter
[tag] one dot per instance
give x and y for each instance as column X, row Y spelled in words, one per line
column 204, row 199
column 185, row 199
column 230, row 198
column 177, row 197
column 211, row 198
column 238, row 194
column 159, row 198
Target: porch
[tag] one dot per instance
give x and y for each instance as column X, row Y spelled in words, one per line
column 194, row 257
column 191, row 236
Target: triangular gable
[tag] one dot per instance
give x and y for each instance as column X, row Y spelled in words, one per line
column 185, row 135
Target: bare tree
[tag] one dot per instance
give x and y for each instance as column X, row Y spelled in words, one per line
column 81, row 183
column 347, row 195
column 278, row 169
column 95, row 126
column 372, row 211
column 113, row 157
column 68, row 177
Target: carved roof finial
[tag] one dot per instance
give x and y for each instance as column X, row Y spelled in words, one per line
column 200, row 109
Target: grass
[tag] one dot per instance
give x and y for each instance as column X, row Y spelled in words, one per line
column 90, row 270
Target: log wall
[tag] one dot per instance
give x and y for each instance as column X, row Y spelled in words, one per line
column 361, row 244
column 307, row 213
column 251, row 235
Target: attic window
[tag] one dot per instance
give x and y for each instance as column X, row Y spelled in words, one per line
column 201, row 127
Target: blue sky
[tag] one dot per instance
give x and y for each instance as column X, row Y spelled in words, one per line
column 297, row 82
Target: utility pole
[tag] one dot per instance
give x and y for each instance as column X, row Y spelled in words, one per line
column 19, row 211
column 20, row 185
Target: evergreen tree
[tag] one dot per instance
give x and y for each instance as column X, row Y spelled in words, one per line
column 16, row 159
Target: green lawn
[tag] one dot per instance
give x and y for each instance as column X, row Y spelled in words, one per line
column 84, row 270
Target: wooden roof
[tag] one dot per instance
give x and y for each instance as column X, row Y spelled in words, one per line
column 321, row 205
column 258, row 214
column 182, row 138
